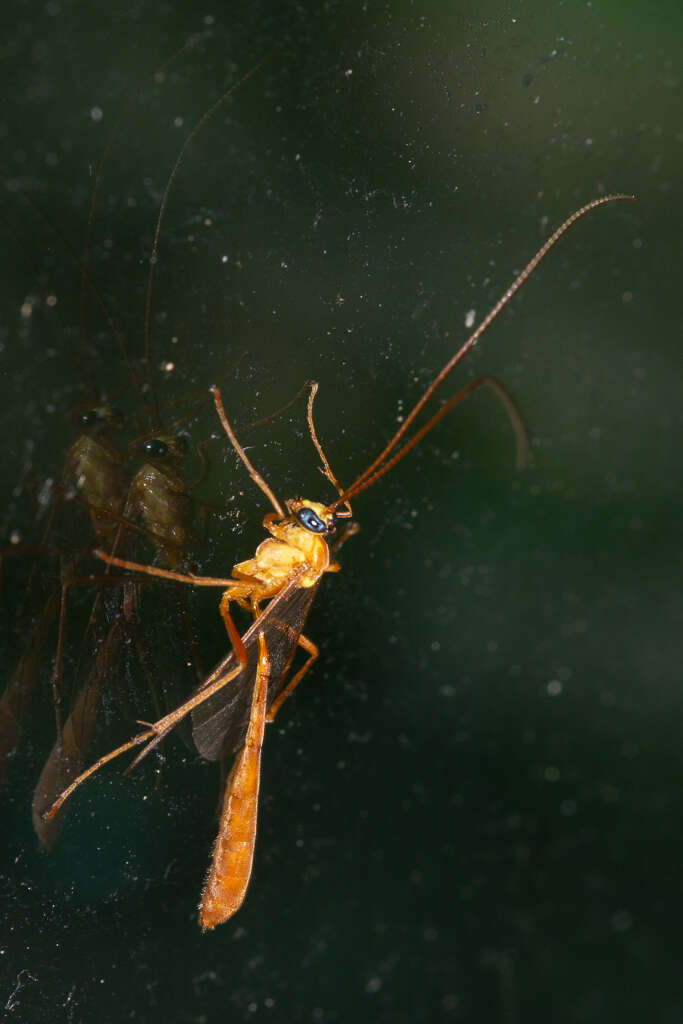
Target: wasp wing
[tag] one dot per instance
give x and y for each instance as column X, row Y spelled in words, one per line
column 219, row 724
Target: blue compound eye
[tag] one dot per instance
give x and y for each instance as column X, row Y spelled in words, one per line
column 310, row 521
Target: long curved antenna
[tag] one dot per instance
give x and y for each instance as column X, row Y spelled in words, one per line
column 325, row 469
column 522, row 451
column 376, row 469
column 425, row 429
column 154, row 258
column 133, row 95
column 253, row 473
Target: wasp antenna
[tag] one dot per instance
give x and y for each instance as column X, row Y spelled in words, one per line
column 375, row 469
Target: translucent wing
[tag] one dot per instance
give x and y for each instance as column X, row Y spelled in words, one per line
column 219, row 724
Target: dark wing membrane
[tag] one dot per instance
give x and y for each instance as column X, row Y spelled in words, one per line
column 69, row 754
column 219, row 724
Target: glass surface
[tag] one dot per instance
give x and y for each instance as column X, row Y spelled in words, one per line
column 470, row 810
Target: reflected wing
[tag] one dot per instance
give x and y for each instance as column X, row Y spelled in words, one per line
column 67, row 757
column 16, row 702
column 219, row 724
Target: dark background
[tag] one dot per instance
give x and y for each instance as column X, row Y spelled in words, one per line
column 471, row 811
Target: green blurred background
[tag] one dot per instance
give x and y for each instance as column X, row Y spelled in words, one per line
column 471, row 811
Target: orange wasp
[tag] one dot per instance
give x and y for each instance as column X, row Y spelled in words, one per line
column 277, row 586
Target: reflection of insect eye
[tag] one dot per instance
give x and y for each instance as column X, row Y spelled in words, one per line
column 91, row 418
column 311, row 521
column 154, row 448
